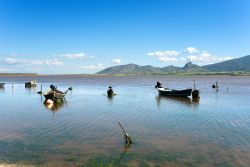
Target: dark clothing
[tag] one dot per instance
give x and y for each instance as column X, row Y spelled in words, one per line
column 158, row 85
column 110, row 92
column 54, row 89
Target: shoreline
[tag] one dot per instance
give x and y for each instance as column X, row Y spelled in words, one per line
column 124, row 75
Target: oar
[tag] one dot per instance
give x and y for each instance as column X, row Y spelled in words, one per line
column 70, row 88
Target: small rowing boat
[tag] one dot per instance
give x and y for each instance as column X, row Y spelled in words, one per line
column 54, row 96
column 173, row 92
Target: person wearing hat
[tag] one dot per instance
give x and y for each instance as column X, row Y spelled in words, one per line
column 110, row 91
column 158, row 85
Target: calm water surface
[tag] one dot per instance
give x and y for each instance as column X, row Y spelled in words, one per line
column 84, row 131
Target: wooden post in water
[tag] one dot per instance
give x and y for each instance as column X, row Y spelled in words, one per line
column 195, row 92
column 41, row 91
column 127, row 138
column 216, row 86
column 194, row 85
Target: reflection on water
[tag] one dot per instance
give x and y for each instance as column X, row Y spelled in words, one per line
column 188, row 102
column 30, row 90
column 110, row 98
column 195, row 101
column 54, row 106
column 177, row 100
column 2, row 89
column 180, row 100
column 125, row 150
column 166, row 130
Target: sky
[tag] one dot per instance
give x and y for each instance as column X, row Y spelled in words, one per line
column 86, row 36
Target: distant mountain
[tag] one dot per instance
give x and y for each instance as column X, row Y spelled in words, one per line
column 136, row 69
column 130, row 69
column 190, row 67
column 239, row 64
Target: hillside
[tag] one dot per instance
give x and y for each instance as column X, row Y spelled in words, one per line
column 238, row 64
column 136, row 69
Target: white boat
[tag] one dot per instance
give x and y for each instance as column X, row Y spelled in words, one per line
column 30, row 84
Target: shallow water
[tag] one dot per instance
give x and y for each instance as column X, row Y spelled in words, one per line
column 84, row 131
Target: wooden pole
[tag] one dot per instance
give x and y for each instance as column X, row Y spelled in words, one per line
column 126, row 135
column 194, row 85
column 122, row 127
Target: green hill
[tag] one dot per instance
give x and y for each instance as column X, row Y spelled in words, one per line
column 238, row 64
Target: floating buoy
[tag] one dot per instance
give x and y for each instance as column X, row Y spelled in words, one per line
column 213, row 86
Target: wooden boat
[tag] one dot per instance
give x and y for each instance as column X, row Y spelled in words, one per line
column 173, row 92
column 30, row 84
column 2, row 85
column 55, row 96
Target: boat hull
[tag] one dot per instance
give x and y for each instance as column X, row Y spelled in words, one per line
column 54, row 96
column 176, row 93
column 30, row 84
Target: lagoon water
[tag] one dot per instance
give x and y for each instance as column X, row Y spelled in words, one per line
column 84, row 131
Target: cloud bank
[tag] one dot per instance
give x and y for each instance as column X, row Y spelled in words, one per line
column 76, row 56
column 48, row 62
column 189, row 54
column 165, row 56
column 93, row 67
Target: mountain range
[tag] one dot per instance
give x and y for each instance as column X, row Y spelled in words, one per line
column 234, row 65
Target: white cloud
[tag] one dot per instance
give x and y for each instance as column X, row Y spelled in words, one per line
column 74, row 55
column 116, row 61
column 13, row 61
column 168, row 59
column 93, row 67
column 189, row 54
column 48, row 62
column 206, row 58
column 168, row 53
column 6, row 69
column 191, row 50
column 165, row 56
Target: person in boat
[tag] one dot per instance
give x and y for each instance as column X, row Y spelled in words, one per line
column 110, row 91
column 54, row 89
column 158, row 84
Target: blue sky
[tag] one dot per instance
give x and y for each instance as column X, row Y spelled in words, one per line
column 85, row 36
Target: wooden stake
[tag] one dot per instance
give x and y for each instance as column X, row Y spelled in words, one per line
column 127, row 138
